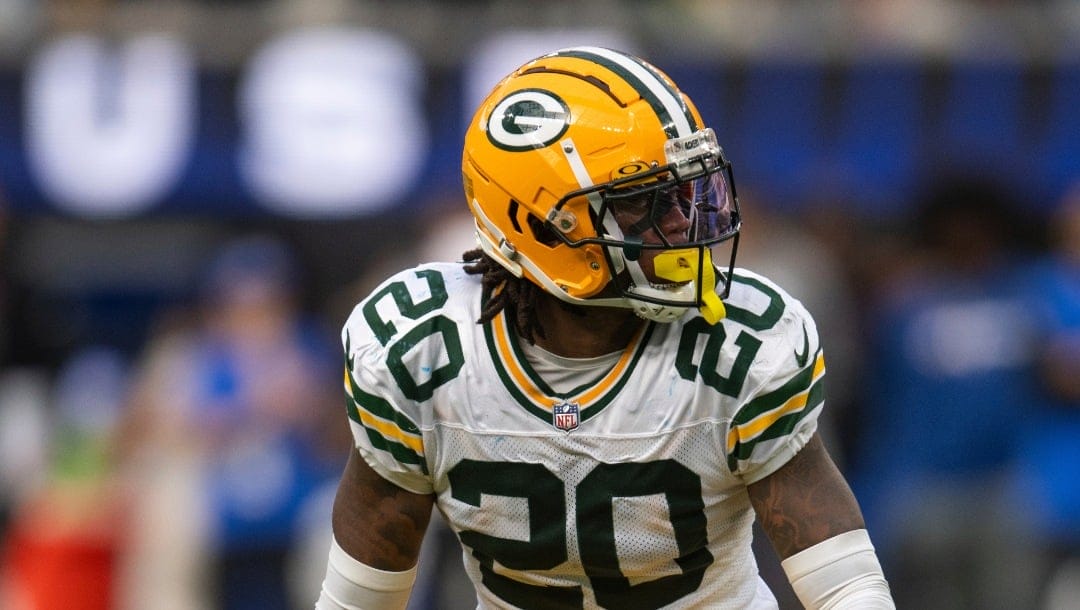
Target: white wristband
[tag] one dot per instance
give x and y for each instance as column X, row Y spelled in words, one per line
column 352, row 585
column 841, row 572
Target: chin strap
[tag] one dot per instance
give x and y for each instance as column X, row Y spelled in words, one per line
column 682, row 266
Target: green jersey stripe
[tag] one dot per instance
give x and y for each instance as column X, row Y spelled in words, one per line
column 400, row 452
column 781, row 427
column 767, row 402
column 380, row 408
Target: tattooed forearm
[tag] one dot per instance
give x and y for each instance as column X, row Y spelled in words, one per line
column 805, row 502
column 377, row 522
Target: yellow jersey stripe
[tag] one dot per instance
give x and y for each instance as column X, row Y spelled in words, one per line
column 759, row 424
column 388, row 429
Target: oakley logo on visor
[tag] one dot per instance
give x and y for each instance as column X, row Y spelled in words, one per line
column 528, row 119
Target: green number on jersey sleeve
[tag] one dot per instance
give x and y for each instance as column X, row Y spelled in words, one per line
column 766, row 319
column 384, row 331
column 438, row 326
column 732, row 383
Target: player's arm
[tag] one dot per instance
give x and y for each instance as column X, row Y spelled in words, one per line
column 813, row 521
column 378, row 528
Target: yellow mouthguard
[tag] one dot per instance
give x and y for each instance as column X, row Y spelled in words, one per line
column 682, row 266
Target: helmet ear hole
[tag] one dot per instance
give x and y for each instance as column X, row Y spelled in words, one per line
column 513, row 211
column 543, row 232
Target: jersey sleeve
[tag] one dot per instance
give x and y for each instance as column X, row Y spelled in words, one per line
column 385, row 423
column 784, row 395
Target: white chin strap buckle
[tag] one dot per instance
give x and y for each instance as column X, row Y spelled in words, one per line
column 656, row 312
column 662, row 313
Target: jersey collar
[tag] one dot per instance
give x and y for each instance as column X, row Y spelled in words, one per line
column 535, row 395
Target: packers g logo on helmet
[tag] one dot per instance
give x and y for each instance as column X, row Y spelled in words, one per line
column 528, row 119
column 590, row 174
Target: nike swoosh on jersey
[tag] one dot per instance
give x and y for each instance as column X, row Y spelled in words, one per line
column 802, row 358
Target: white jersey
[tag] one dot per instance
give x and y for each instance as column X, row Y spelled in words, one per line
column 626, row 492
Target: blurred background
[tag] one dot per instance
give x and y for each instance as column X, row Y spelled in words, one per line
column 194, row 193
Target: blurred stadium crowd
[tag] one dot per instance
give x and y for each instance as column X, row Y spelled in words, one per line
column 179, row 246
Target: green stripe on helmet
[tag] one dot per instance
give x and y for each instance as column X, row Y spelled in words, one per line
column 643, row 89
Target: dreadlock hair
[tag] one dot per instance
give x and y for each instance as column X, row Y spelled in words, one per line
column 503, row 290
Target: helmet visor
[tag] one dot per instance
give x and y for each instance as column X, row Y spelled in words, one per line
column 673, row 210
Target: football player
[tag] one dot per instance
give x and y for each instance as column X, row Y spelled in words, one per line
column 596, row 399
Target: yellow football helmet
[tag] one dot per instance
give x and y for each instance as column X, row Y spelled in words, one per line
column 590, row 174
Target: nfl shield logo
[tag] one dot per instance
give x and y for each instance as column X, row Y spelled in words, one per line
column 565, row 415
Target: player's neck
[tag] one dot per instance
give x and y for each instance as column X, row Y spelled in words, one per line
column 584, row 332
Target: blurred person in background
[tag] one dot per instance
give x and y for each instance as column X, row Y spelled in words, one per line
column 950, row 379
column 597, row 409
column 61, row 512
column 68, row 519
column 1047, row 476
column 228, row 437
